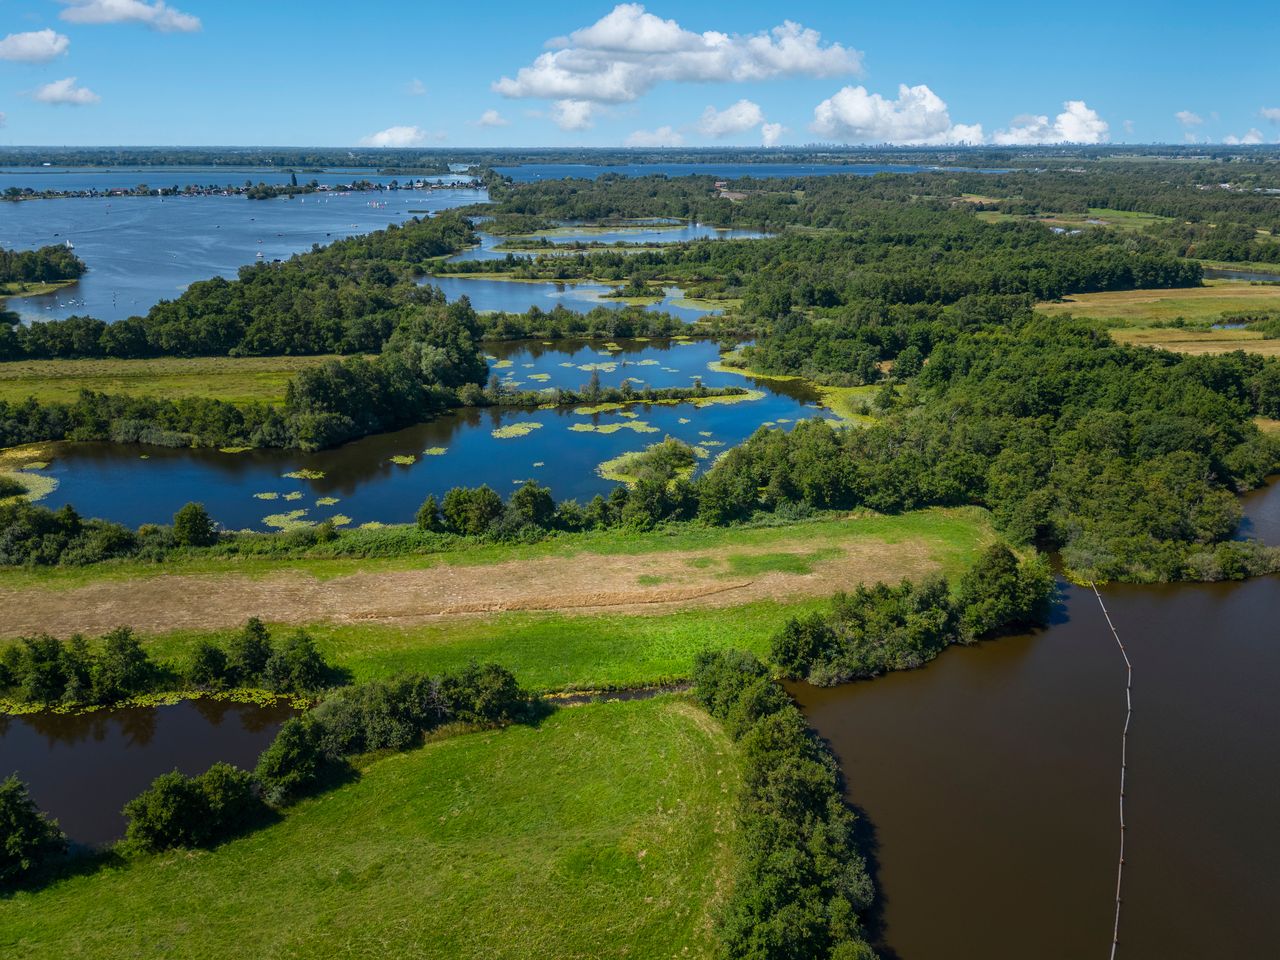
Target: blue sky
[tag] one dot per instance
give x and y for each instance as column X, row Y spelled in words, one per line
column 600, row 74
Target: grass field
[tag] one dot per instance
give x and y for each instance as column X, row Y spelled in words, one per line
column 18, row 288
column 235, row 379
column 1198, row 341
column 606, row 831
column 763, row 575
column 1192, row 303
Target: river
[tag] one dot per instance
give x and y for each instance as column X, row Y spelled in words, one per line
column 990, row 779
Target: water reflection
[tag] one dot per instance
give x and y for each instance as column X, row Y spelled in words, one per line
column 83, row 769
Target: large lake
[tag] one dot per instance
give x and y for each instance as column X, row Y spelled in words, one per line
column 140, row 250
column 385, row 478
column 991, row 779
column 157, row 178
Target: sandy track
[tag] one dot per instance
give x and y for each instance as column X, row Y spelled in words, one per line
column 583, row 583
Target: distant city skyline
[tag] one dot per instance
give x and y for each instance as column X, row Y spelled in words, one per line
column 144, row 72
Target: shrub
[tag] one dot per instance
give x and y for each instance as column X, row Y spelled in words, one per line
column 295, row 666
column 208, row 666
column 28, row 839
column 122, row 668
column 193, row 527
column 428, row 515
column 471, row 512
column 249, row 651
column 291, row 764
column 181, row 811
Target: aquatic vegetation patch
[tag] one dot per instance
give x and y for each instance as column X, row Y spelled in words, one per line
column 326, row 501
column 540, row 377
column 267, row 495
column 538, row 463
column 144, row 456
column 639, row 426
column 597, row 408
column 516, row 430
column 705, row 433
column 403, row 459
column 503, row 364
column 304, row 475
column 684, row 420
column 293, row 495
column 234, row 449
column 339, row 520
column 37, row 485
column 373, row 525
column 435, row 451
column 292, row 520
column 602, row 367
column 648, row 362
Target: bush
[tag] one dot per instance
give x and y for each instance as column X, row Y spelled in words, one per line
column 291, row 764
column 295, row 666
column 193, row 527
column 471, row 512
column 28, row 839
column 122, row 668
column 248, row 652
column 180, row 811
column 208, row 668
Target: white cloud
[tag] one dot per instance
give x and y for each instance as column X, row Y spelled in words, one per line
column 1076, row 124
column 492, row 118
column 1270, row 113
column 157, row 16
column 1128, row 127
column 395, row 137
column 415, row 88
column 628, row 52
column 38, row 46
column 1253, row 136
column 573, row 114
column 1188, row 119
column 741, row 116
column 662, row 137
column 918, row 116
column 3, row 119
column 65, row 91
column 771, row 133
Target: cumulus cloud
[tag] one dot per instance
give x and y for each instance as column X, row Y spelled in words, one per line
column 38, row 46
column 741, row 116
column 1270, row 113
column 158, row 16
column 415, row 88
column 1253, row 136
column 1188, row 119
column 573, row 114
column 771, row 133
column 396, row 137
column 1076, row 124
column 66, row 92
column 628, row 52
column 662, row 137
column 917, row 116
column 492, row 118
column 1128, row 127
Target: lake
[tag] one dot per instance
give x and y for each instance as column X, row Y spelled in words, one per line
column 81, row 770
column 517, row 296
column 158, row 178
column 114, row 481
column 991, row 776
column 144, row 249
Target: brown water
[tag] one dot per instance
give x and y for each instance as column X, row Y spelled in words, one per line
column 81, row 770
column 990, row 780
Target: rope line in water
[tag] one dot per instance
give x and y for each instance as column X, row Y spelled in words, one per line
column 1124, row 756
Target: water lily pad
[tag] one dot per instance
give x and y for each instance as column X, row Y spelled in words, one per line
column 293, row 495
column 326, row 501
column 288, row 521
column 267, row 495
column 639, row 426
column 404, row 459
column 304, row 475
column 435, row 451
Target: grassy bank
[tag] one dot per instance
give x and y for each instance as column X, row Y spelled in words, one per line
column 233, row 379
column 20, row 288
column 463, row 848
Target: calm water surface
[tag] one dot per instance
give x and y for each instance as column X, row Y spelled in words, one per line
column 159, row 178
column 517, row 296
column 81, row 770
column 991, row 780
column 141, row 250
column 116, row 482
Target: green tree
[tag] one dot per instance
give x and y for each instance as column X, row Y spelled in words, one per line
column 248, row 652
column 291, row 764
column 28, row 839
column 193, row 527
column 428, row 515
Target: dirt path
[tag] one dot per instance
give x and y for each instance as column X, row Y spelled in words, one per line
column 653, row 582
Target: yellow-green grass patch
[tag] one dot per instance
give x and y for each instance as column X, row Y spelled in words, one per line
column 1209, row 302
